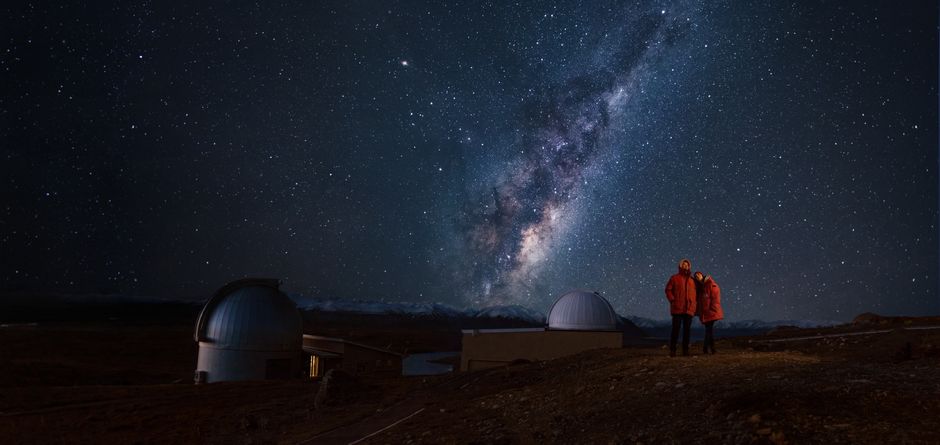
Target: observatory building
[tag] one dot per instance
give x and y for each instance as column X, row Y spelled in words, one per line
column 578, row 321
column 249, row 330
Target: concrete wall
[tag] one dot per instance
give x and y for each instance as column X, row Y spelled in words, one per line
column 483, row 349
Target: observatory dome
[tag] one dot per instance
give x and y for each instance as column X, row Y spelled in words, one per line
column 248, row 330
column 582, row 311
column 252, row 316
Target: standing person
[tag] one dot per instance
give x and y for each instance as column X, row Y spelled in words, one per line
column 709, row 311
column 680, row 291
column 699, row 292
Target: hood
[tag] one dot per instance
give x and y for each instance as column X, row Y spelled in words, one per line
column 685, row 260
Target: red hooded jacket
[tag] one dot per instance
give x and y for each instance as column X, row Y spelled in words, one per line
column 710, row 301
column 680, row 291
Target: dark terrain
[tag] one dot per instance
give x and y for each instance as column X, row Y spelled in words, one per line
column 123, row 375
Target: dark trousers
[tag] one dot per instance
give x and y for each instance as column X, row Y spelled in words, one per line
column 709, row 344
column 686, row 321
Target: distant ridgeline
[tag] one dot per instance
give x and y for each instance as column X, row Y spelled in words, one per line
column 44, row 307
column 428, row 310
column 435, row 313
column 31, row 307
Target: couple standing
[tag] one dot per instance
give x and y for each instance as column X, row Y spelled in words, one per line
column 690, row 295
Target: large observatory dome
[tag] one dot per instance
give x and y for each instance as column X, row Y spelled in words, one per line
column 582, row 311
column 248, row 330
column 251, row 314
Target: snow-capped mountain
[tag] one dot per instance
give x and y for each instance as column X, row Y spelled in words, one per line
column 511, row 312
column 432, row 310
column 379, row 307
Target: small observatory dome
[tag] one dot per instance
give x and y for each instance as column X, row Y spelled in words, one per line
column 582, row 311
column 248, row 330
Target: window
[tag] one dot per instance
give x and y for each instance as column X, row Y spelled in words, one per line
column 314, row 366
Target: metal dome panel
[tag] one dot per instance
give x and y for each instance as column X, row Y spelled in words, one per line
column 252, row 315
column 582, row 311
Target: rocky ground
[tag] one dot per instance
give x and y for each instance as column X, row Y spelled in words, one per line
column 115, row 384
column 738, row 396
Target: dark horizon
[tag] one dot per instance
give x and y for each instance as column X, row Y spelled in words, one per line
column 477, row 155
column 40, row 299
column 53, row 306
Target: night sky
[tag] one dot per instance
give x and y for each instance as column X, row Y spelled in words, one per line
column 476, row 153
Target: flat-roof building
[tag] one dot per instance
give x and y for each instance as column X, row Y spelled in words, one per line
column 355, row 358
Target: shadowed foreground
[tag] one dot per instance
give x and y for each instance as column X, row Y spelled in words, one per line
column 872, row 388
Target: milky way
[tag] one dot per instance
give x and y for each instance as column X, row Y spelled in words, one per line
column 568, row 129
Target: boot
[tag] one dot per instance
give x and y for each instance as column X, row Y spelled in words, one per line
column 672, row 352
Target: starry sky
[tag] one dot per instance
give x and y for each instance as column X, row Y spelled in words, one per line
column 476, row 153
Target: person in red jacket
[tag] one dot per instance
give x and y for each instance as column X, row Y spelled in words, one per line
column 680, row 291
column 709, row 308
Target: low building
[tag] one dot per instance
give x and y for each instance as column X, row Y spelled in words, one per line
column 249, row 330
column 578, row 321
column 327, row 353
